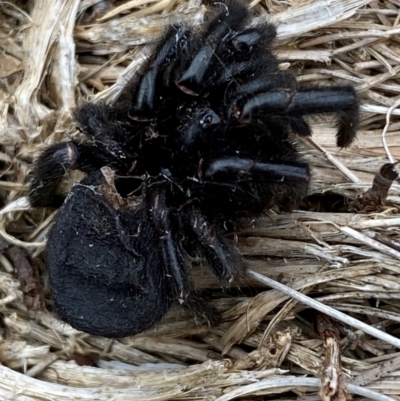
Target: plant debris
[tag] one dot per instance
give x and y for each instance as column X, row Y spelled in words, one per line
column 374, row 198
column 341, row 250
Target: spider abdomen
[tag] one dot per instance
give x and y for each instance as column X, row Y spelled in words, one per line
column 102, row 279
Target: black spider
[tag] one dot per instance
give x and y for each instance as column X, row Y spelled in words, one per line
column 203, row 137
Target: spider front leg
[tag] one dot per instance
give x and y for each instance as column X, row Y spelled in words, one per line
column 237, row 166
column 269, row 81
column 148, row 91
column 221, row 31
column 341, row 100
column 245, row 185
column 226, row 58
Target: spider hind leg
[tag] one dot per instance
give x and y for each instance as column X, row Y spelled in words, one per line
column 167, row 226
column 221, row 256
column 49, row 170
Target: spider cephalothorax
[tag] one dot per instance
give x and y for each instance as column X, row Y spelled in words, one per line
column 203, row 136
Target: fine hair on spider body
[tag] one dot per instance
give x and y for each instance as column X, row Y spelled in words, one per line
column 204, row 136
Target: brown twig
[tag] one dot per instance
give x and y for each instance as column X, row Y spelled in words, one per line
column 374, row 198
column 30, row 285
column 333, row 387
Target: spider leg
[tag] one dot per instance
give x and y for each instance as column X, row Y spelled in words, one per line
column 231, row 186
column 147, row 95
column 99, row 123
column 236, row 166
column 223, row 32
column 268, row 81
column 99, row 126
column 168, row 225
column 298, row 125
column 221, row 256
column 174, row 263
column 248, row 38
column 54, row 163
column 341, row 100
column 49, row 170
column 223, row 259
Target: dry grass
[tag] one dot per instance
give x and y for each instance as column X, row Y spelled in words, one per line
column 55, row 54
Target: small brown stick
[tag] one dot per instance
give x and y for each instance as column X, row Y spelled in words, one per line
column 333, row 387
column 82, row 359
column 26, row 276
column 374, row 198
